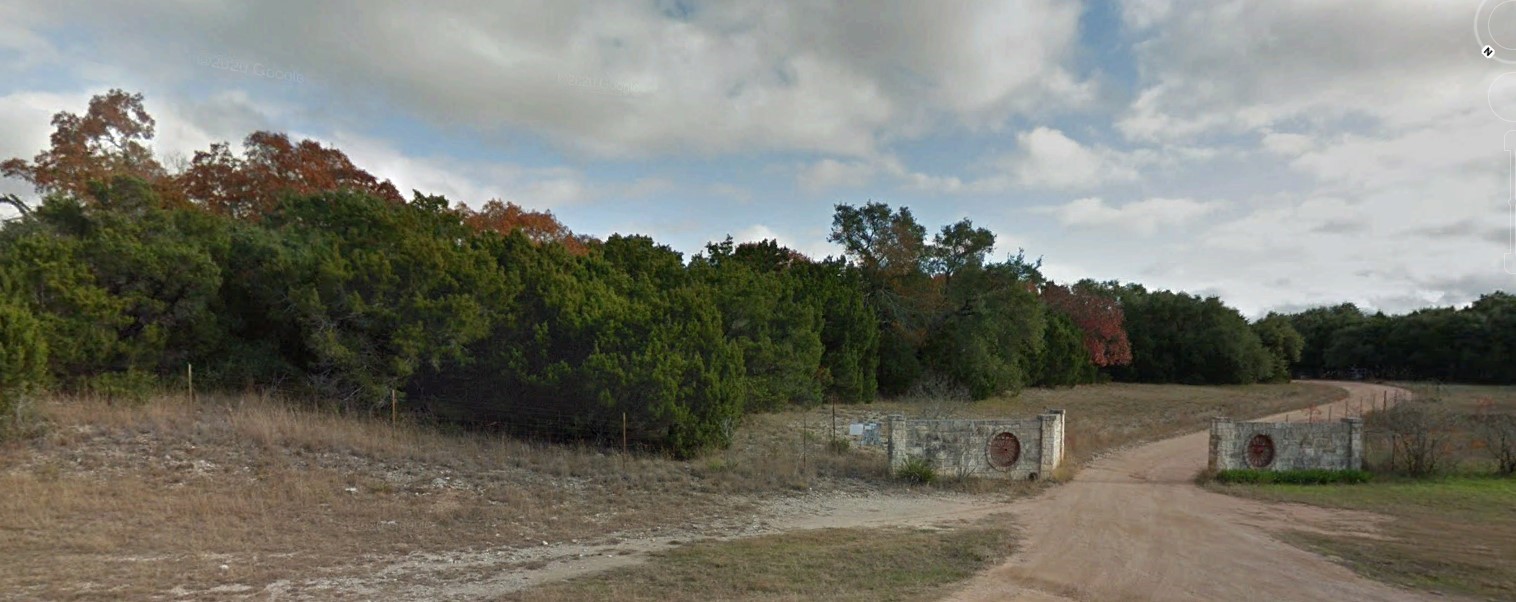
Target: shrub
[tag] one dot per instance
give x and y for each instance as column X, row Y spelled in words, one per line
column 936, row 397
column 132, row 386
column 838, row 445
column 917, row 470
column 1497, row 433
column 23, row 355
column 1292, row 477
column 1420, row 434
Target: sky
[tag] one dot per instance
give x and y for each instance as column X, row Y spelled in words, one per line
column 1280, row 155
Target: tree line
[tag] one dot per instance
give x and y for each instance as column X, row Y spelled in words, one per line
column 289, row 266
column 1475, row 344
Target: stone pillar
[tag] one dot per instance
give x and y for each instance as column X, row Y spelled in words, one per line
column 1222, row 434
column 1046, row 425
column 1052, row 427
column 896, row 440
column 1354, row 443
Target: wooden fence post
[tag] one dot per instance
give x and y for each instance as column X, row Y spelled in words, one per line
column 189, row 373
column 394, row 409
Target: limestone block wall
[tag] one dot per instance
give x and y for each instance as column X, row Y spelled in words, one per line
column 979, row 448
column 1287, row 446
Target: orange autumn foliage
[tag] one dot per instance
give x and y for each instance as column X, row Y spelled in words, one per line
column 538, row 226
column 271, row 165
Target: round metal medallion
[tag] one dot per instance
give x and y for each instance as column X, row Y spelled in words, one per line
column 1260, row 451
column 1004, row 451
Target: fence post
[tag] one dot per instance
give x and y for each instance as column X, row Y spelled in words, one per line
column 189, row 371
column 394, row 409
column 623, row 433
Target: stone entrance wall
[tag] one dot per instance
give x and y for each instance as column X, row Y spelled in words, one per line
column 1287, row 446
column 1024, row 448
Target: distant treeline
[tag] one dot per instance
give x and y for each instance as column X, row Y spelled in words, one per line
column 289, row 267
column 1476, row 344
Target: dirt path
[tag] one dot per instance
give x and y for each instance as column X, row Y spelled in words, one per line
column 1133, row 526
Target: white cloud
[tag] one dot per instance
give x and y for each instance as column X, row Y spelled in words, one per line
column 1141, row 14
column 733, row 193
column 813, row 247
column 1467, row 146
column 1050, row 159
column 1287, row 144
column 755, row 233
column 471, row 183
column 619, row 80
column 1231, row 67
column 1144, row 217
column 828, row 174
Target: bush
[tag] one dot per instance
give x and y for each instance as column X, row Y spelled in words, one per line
column 917, row 470
column 23, row 355
column 1420, row 433
column 838, row 445
column 1292, row 477
column 1497, row 434
column 132, row 386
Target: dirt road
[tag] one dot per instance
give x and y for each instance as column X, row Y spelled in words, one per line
column 1133, row 526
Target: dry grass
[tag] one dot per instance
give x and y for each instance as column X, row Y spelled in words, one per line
column 828, row 564
column 123, row 501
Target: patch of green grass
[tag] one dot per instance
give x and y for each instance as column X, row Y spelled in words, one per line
column 828, row 564
column 1453, row 535
column 1293, row 477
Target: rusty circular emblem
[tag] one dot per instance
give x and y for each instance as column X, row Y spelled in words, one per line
column 1260, row 451
column 1005, row 450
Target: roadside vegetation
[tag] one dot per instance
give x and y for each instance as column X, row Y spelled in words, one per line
column 1247, row 476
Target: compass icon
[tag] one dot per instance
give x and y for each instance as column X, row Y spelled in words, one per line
column 1495, row 30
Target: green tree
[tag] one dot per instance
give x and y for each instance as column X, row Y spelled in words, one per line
column 1283, row 343
column 375, row 290
column 991, row 341
column 1064, row 361
column 849, row 331
column 23, row 352
column 583, row 341
column 1182, row 338
column 764, row 311
column 1318, row 326
column 890, row 250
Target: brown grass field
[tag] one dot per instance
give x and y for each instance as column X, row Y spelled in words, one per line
column 232, row 496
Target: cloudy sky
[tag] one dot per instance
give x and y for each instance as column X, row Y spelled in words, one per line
column 1279, row 154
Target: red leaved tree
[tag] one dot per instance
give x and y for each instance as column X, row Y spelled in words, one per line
column 1098, row 315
